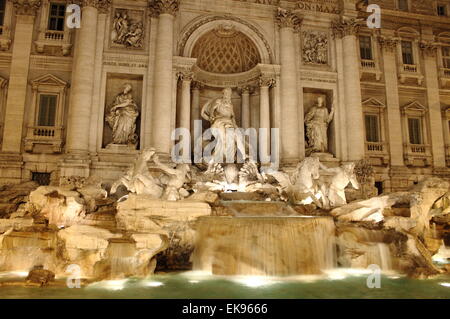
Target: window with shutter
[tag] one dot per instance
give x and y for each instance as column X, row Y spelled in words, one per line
column 446, row 57
column 407, row 52
column 56, row 17
column 372, row 128
column 365, row 47
column 2, row 11
column 441, row 10
column 47, row 110
column 415, row 130
column 402, row 5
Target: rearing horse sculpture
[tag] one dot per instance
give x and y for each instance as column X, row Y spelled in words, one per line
column 302, row 184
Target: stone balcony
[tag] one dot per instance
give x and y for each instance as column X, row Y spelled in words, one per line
column 417, row 154
column 370, row 67
column 377, row 152
column 53, row 38
column 409, row 71
column 46, row 139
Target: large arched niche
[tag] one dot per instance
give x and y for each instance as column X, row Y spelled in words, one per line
column 205, row 24
column 225, row 51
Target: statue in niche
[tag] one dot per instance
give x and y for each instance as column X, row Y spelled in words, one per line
column 122, row 118
column 126, row 32
column 317, row 121
column 219, row 112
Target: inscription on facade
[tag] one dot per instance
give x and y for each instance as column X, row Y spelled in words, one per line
column 324, row 6
column 125, row 64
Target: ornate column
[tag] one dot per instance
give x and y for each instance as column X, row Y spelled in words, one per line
column 389, row 49
column 25, row 11
column 147, row 121
column 291, row 142
column 254, row 109
column 162, row 95
column 429, row 49
column 185, row 105
column 245, row 107
column 347, row 29
column 83, row 80
column 264, row 113
column 195, row 104
column 97, row 108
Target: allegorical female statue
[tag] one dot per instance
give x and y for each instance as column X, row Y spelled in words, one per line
column 317, row 120
column 122, row 117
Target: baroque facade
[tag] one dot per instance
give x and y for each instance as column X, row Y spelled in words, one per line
column 84, row 101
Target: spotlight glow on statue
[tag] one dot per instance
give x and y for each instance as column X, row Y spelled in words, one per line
column 224, row 141
column 219, row 112
column 317, row 121
column 122, row 117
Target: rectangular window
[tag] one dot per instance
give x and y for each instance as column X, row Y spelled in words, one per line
column 441, row 10
column 56, row 17
column 47, row 110
column 372, row 128
column 2, row 11
column 402, row 5
column 365, row 47
column 446, row 57
column 42, row 179
column 407, row 52
column 415, row 130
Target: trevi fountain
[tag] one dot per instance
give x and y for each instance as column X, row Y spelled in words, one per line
column 170, row 228
column 229, row 149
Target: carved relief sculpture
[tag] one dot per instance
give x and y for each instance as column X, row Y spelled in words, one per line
column 317, row 120
column 122, row 118
column 127, row 31
column 315, row 47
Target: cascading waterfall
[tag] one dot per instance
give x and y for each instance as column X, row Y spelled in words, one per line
column 368, row 247
column 266, row 246
column 23, row 250
column 122, row 258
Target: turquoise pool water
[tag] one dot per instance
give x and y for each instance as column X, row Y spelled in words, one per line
column 194, row 285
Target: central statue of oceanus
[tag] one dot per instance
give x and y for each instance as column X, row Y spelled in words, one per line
column 220, row 114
